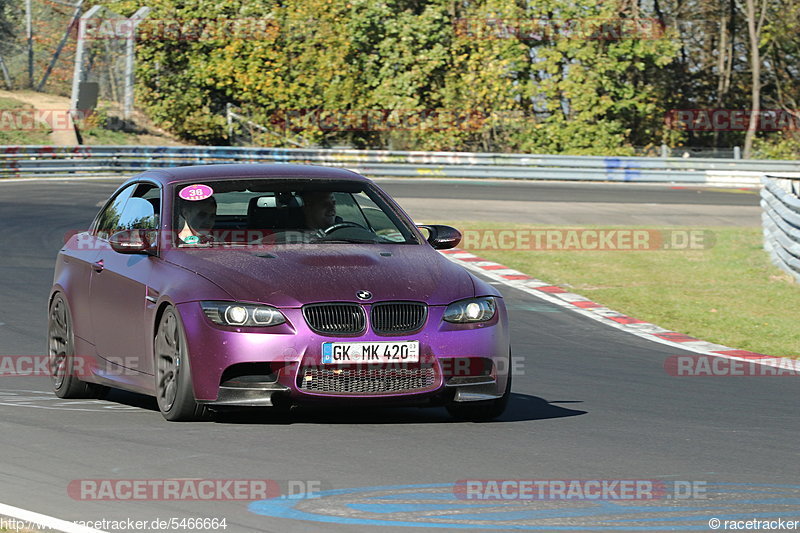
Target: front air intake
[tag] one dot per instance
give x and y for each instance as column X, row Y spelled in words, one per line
column 398, row 318
column 335, row 318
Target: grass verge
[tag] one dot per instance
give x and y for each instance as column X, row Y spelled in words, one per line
column 729, row 293
column 11, row 136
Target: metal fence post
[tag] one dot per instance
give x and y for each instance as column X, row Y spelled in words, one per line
column 77, row 76
column 130, row 52
column 29, row 33
column 75, row 17
column 229, row 120
column 6, row 75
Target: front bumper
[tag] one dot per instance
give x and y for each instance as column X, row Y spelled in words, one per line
column 255, row 395
column 469, row 362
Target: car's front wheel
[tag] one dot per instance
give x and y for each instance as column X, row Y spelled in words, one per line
column 484, row 410
column 174, row 391
column 64, row 366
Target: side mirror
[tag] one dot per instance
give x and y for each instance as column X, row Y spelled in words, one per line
column 441, row 237
column 131, row 241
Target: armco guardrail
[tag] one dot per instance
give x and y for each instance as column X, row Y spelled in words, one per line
column 26, row 161
column 780, row 199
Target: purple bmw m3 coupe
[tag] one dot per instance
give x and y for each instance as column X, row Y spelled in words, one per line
column 233, row 286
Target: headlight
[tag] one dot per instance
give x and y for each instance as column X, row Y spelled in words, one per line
column 240, row 314
column 471, row 310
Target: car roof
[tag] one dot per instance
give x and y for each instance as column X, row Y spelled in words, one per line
column 166, row 176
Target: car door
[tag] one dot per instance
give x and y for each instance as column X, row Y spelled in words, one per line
column 119, row 286
column 78, row 258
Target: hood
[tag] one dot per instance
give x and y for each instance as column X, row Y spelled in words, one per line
column 286, row 277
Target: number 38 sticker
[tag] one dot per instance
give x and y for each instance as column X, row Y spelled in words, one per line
column 194, row 193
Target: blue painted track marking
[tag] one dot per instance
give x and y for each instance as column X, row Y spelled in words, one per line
column 426, row 506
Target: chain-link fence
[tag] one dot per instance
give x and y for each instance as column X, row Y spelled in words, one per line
column 68, row 48
column 37, row 44
column 104, row 59
column 244, row 132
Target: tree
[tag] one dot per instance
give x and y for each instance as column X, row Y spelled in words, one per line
column 573, row 76
column 10, row 23
column 755, row 23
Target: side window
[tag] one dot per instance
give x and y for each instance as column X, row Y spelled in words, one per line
column 378, row 220
column 136, row 207
column 109, row 217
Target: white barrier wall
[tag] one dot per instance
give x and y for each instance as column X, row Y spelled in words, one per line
column 780, row 199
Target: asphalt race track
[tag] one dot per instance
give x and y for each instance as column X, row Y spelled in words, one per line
column 590, row 403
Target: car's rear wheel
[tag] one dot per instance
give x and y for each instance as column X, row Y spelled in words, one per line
column 174, row 391
column 61, row 354
column 484, row 410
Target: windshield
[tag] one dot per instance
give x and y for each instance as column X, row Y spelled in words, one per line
column 274, row 211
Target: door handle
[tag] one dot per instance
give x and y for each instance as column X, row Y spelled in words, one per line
column 98, row 266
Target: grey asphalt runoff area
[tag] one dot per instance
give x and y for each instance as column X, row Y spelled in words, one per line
column 589, row 403
column 569, row 203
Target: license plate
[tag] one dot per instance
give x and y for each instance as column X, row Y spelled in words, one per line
column 342, row 353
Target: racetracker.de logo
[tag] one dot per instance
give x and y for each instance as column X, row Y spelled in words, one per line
column 173, row 489
column 41, row 119
column 446, row 365
column 716, row 366
column 548, row 29
column 589, row 239
column 187, row 29
column 577, row 489
column 76, row 365
column 378, row 119
column 224, row 238
column 732, row 119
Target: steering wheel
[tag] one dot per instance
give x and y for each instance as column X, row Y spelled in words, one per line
column 340, row 225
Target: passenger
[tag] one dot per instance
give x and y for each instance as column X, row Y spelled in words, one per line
column 196, row 220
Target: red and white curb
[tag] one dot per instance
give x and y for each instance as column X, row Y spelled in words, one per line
column 32, row 520
column 563, row 298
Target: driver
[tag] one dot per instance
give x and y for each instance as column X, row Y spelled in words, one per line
column 198, row 219
column 319, row 210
